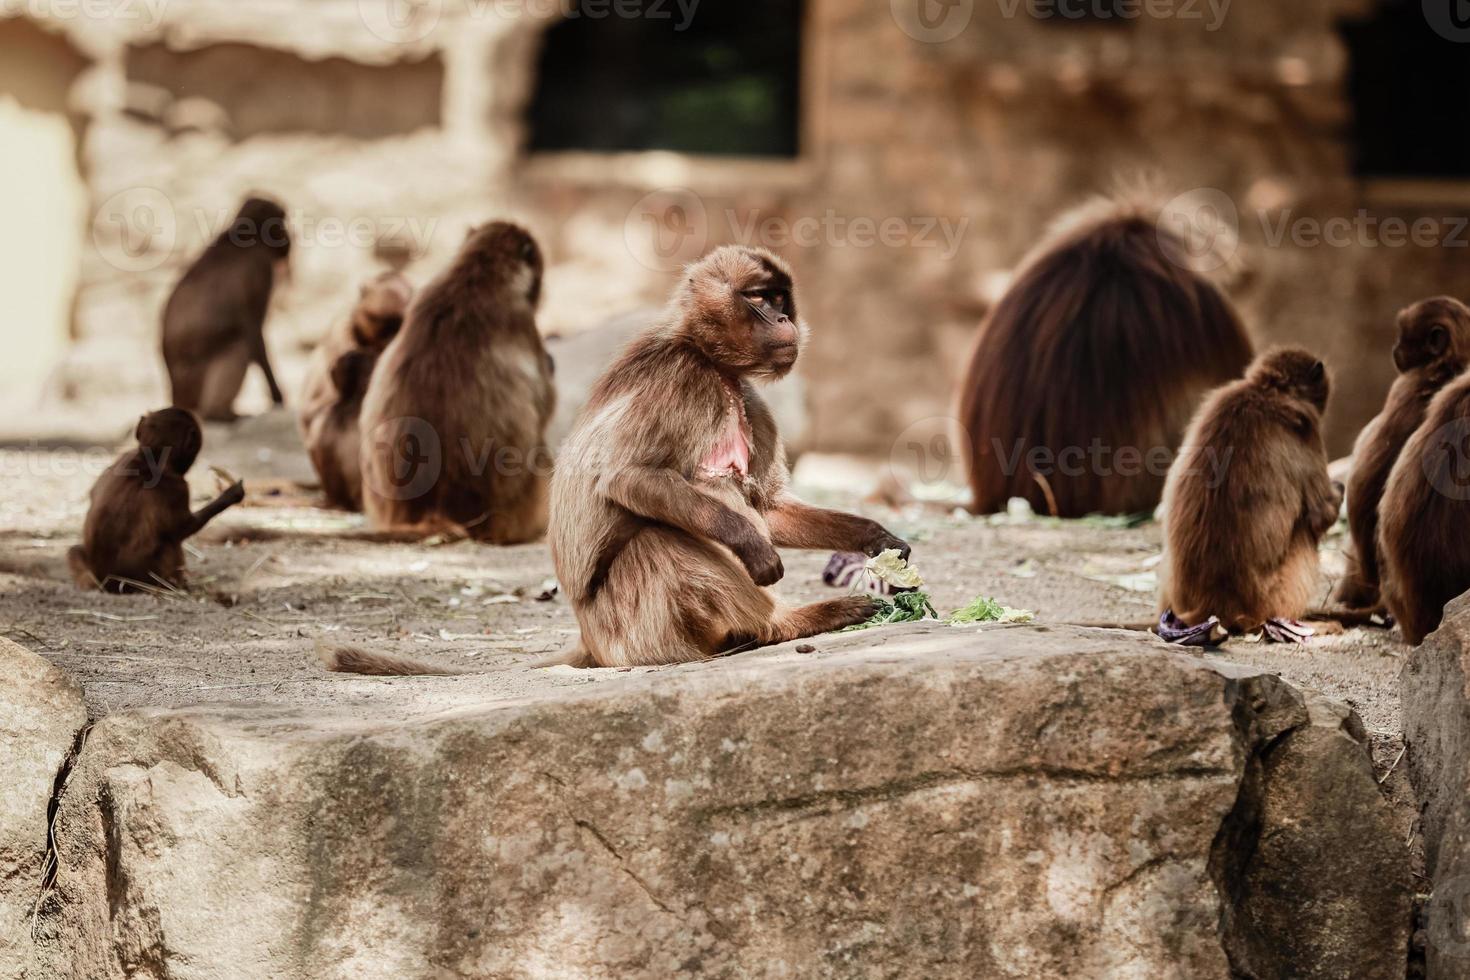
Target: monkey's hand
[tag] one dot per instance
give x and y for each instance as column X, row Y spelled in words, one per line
column 760, row 559
column 233, row 494
column 882, row 540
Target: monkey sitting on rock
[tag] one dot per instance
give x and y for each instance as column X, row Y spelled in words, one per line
column 671, row 495
column 139, row 519
column 1246, row 503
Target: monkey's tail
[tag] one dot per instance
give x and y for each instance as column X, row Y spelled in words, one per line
column 574, row 656
column 355, row 660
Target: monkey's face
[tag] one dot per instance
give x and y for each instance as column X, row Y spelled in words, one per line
column 510, row 250
column 1428, row 330
column 173, row 435
column 748, row 320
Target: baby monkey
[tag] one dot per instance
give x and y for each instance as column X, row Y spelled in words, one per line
column 672, row 494
column 139, row 519
column 1246, row 503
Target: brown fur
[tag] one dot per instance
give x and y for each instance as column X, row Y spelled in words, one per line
column 213, row 324
column 1249, row 498
column 1103, row 339
column 1424, row 517
column 355, row 660
column 454, row 421
column 139, row 519
column 663, row 561
column 337, row 380
column 1433, row 348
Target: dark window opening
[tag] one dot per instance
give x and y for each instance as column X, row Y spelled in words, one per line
column 1410, row 89
column 1111, row 13
column 724, row 80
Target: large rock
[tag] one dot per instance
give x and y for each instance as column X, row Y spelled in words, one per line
column 1436, row 703
column 41, row 716
column 919, row 801
column 582, row 357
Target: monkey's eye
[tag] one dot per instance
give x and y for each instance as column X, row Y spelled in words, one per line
column 773, row 298
column 528, row 250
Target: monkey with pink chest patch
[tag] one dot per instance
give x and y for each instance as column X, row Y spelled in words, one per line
column 672, row 493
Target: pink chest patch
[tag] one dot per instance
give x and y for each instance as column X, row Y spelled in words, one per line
column 730, row 455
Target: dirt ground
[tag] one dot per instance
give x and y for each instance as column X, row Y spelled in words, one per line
column 275, row 579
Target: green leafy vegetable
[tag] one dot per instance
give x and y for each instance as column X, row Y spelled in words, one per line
column 906, row 607
column 986, row 610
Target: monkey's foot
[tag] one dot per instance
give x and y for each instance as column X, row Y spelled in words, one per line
column 1172, row 629
column 1286, row 631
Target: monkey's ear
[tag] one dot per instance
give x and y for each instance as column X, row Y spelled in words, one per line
column 1439, row 340
column 138, row 429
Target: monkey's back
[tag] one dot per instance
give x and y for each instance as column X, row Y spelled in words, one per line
column 318, row 394
column 468, row 381
column 1233, row 514
column 1103, row 339
column 1375, row 451
column 222, row 299
column 1424, row 516
column 334, row 443
column 127, row 531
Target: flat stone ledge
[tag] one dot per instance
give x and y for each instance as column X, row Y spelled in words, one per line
column 911, row 801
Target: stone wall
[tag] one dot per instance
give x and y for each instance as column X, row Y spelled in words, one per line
column 960, row 148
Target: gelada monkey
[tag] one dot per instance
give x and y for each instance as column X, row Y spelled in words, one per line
column 139, row 519
column 1105, row 341
column 1246, row 503
column 334, row 441
column 454, row 420
column 336, row 381
column 213, row 324
column 1424, row 517
column 376, row 318
column 1433, row 348
column 671, row 494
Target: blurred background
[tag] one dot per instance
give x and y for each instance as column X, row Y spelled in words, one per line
column 902, row 154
